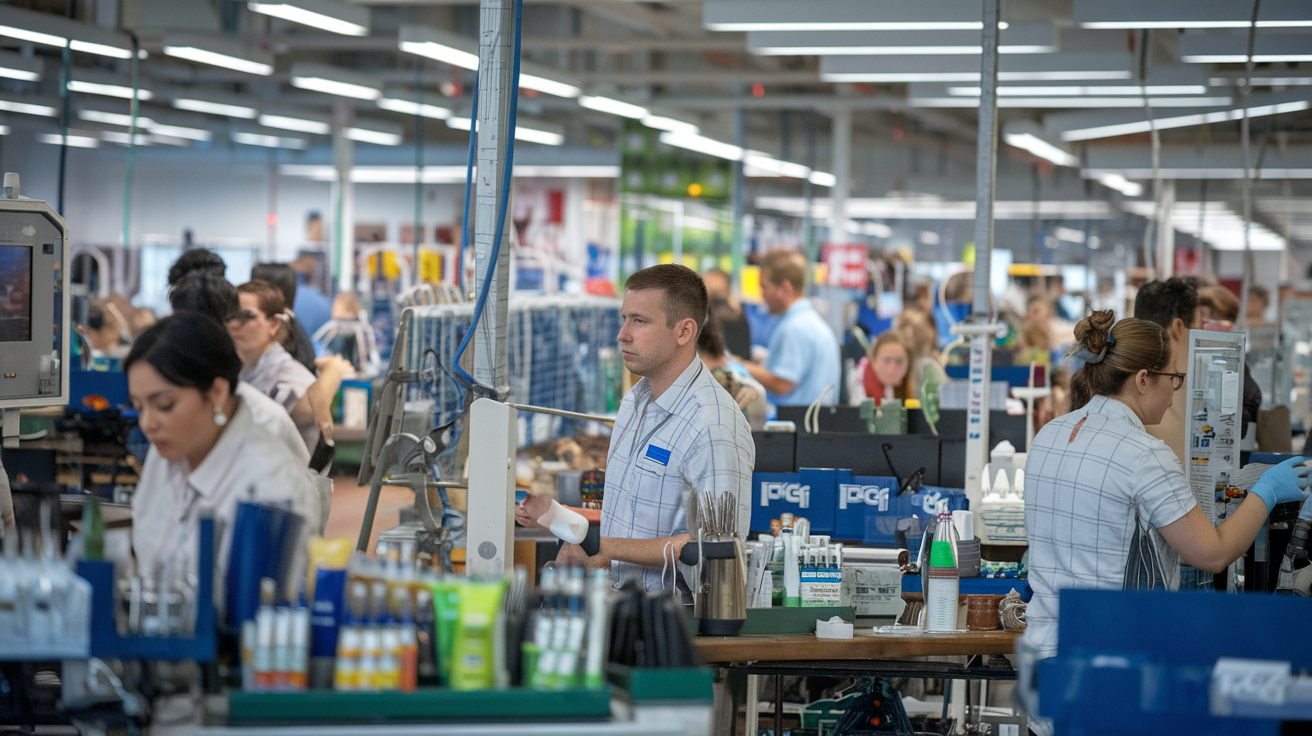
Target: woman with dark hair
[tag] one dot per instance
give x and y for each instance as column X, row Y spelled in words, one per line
column 260, row 331
column 1106, row 504
column 207, row 453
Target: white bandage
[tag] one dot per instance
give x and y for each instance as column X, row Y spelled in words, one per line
column 568, row 525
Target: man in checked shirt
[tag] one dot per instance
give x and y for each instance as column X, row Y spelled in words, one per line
column 677, row 431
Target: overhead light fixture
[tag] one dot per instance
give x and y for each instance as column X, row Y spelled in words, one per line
column 613, row 107
column 113, row 118
column 840, row 15
column 926, row 207
column 1083, row 127
column 14, row 66
column 442, row 174
column 525, row 130
column 378, row 132
column 407, row 102
column 1018, row 38
column 73, row 139
column 124, row 120
column 759, row 164
column 1232, row 48
column 823, row 179
column 1085, row 90
column 957, row 68
column 220, row 52
column 702, row 144
column 268, row 141
column 462, row 52
column 53, row 30
column 936, row 98
column 1028, row 136
column 1121, row 184
column 232, row 106
column 41, row 106
column 180, row 131
column 298, row 122
column 334, row 81
column 107, row 90
column 1119, row 14
column 123, row 139
column 673, row 125
column 326, row 15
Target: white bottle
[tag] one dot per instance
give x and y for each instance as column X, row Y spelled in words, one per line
column 944, row 582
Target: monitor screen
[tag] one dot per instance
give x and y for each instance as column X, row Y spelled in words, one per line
column 15, row 293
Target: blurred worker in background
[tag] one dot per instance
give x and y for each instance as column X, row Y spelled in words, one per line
column 676, row 430
column 803, row 365
column 735, row 330
column 1219, row 310
column 916, row 328
column 1259, row 300
column 312, row 307
column 195, row 259
column 885, row 372
column 745, row 390
column 282, row 276
column 1172, row 305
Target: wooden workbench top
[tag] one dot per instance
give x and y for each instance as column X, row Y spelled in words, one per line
column 864, row 645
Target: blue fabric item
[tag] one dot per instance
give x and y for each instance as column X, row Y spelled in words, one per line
column 762, row 324
column 312, row 308
column 804, row 351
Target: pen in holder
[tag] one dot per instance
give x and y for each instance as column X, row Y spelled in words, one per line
column 720, row 601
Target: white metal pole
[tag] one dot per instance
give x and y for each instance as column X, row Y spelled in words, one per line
column 842, row 165
column 344, row 227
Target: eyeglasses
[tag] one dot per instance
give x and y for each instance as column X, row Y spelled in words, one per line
column 242, row 317
column 1177, row 379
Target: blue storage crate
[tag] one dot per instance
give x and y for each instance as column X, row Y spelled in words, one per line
column 881, row 525
column 809, row 493
column 858, row 498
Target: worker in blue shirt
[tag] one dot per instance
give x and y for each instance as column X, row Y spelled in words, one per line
column 803, row 363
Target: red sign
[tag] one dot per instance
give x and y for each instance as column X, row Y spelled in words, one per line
column 847, row 264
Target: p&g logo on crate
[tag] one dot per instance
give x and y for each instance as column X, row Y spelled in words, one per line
column 859, row 497
column 809, row 493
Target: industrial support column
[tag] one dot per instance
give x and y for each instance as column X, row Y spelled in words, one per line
column 980, row 328
column 344, row 226
column 842, row 164
column 490, row 527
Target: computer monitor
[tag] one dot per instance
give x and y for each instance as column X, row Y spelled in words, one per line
column 34, row 303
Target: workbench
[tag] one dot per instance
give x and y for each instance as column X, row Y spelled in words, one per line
column 866, row 654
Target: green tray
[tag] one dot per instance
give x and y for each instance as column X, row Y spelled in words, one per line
column 428, row 705
column 792, row 620
column 652, row 684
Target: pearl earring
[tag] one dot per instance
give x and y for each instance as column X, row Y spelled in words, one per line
column 220, row 418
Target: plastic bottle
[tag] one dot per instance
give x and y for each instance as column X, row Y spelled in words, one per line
column 426, row 669
column 792, row 574
column 299, row 652
column 406, row 650
column 944, row 581
column 350, row 639
column 265, row 631
column 381, row 644
column 282, row 644
column 567, row 659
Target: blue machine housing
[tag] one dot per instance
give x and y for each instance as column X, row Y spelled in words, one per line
column 1131, row 662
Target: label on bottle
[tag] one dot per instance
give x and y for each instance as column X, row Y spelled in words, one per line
column 941, row 604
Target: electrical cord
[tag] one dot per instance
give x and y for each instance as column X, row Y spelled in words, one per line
column 481, row 301
column 811, row 419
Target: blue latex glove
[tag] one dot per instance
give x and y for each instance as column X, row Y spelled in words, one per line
column 1283, row 483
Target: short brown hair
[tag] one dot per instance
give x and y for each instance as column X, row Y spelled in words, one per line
column 1134, row 345
column 1221, row 301
column 779, row 266
column 711, row 340
column 685, row 293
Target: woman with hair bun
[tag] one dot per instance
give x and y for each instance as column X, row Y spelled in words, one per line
column 1106, row 504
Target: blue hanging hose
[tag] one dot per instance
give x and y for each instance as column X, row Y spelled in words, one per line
column 505, row 200
column 469, row 181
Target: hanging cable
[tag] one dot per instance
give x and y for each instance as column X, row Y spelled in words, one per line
column 506, row 177
column 1244, row 91
column 132, row 142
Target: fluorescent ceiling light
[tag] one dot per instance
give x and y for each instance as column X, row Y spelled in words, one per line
column 823, row 179
column 760, row 164
column 300, row 125
column 179, row 131
column 437, row 45
column 660, row 122
column 409, row 107
column 113, row 118
column 1222, row 228
column 75, row 140
column 379, row 137
column 702, row 144
column 613, row 107
column 334, row 81
column 1021, row 38
column 1232, row 48
column 107, row 90
column 1121, row 184
column 14, row 103
column 1120, row 14
column 219, row 52
column 834, row 15
column 14, row 66
column 938, row 208
column 1180, row 121
column 523, row 132
column 962, row 68
column 122, row 138
column 231, row 109
column 548, row 86
column 1041, row 148
column 268, row 141
column 53, row 30
column 326, row 15
column 1031, row 90
column 1073, row 102
column 441, row 174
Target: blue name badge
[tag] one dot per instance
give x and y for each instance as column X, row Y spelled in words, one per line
column 658, row 454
